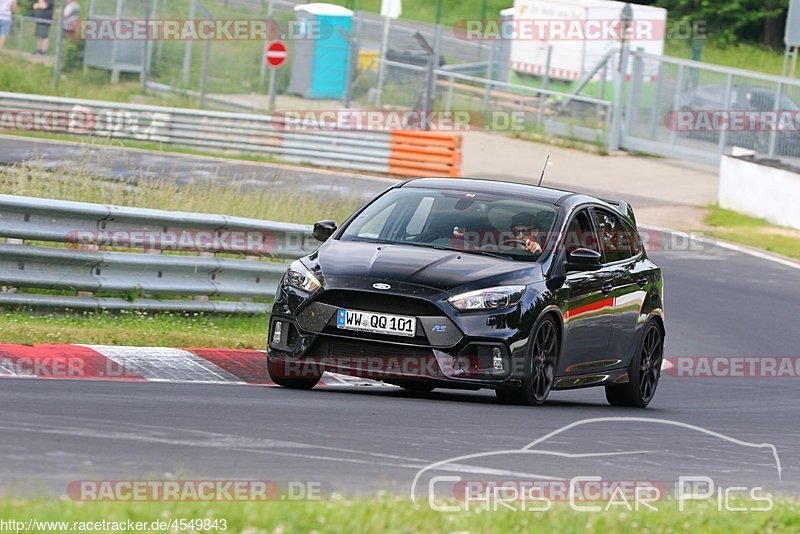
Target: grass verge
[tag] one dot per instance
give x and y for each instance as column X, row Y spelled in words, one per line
column 151, row 146
column 20, row 76
column 140, row 329
column 754, row 232
column 224, row 195
column 390, row 514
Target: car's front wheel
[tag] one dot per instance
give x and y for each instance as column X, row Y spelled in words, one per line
column 644, row 372
column 281, row 373
column 540, row 367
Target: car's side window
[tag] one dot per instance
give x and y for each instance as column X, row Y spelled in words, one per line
column 580, row 233
column 618, row 239
column 634, row 242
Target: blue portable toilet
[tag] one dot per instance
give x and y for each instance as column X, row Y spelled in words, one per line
column 320, row 62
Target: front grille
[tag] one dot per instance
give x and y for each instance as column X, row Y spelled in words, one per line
column 378, row 302
column 345, row 348
column 375, row 360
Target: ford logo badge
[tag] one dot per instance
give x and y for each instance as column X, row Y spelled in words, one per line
column 381, row 286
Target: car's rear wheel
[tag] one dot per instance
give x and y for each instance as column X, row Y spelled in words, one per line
column 644, row 372
column 540, row 367
column 280, row 374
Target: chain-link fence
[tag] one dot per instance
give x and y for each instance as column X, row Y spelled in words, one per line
column 23, row 33
column 661, row 105
column 699, row 111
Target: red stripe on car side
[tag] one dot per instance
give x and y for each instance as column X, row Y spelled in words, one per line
column 594, row 306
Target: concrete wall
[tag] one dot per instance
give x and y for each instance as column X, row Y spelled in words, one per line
column 758, row 190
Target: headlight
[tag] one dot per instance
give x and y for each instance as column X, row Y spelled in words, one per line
column 494, row 298
column 300, row 277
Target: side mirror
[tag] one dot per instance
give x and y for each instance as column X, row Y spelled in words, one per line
column 323, row 230
column 584, row 259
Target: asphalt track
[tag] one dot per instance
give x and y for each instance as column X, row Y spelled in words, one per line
column 720, row 302
column 134, row 165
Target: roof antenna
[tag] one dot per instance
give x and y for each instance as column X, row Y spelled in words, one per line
column 543, row 170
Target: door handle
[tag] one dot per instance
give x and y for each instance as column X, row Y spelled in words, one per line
column 607, row 287
column 642, row 282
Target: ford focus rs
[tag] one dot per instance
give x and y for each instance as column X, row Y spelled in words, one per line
column 469, row 284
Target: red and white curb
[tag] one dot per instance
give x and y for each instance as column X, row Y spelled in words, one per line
column 151, row 364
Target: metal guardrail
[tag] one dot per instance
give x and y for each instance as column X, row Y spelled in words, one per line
column 285, row 138
column 144, row 276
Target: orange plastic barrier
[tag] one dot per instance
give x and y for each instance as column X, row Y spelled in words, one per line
column 425, row 154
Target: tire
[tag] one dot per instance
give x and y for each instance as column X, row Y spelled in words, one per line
column 278, row 375
column 644, row 372
column 540, row 367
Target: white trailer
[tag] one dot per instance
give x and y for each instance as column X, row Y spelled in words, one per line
column 580, row 32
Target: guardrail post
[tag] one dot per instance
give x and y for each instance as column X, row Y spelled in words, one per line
column 114, row 70
column 204, row 72
column 449, row 99
column 547, row 63
column 773, row 136
column 723, row 135
column 637, row 78
column 249, row 257
column 87, row 248
column 203, row 298
column 676, row 102
column 615, row 136
column 21, row 36
column 488, row 90
column 187, row 50
column 659, row 88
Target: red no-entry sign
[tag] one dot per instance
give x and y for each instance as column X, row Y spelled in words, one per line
column 276, row 54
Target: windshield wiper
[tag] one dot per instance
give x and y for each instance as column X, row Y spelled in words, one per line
column 437, row 247
column 486, row 253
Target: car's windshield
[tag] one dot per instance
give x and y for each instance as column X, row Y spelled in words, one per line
column 480, row 223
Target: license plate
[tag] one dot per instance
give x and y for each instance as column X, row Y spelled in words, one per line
column 378, row 323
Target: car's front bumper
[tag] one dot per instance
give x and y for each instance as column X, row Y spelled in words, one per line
column 464, row 351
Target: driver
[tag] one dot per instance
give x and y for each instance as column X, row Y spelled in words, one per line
column 525, row 230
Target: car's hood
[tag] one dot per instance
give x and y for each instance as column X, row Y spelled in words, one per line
column 443, row 269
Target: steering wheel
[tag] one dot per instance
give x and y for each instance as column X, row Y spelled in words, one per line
column 513, row 240
column 426, row 236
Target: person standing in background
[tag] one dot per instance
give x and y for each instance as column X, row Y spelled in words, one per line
column 7, row 8
column 43, row 10
column 71, row 17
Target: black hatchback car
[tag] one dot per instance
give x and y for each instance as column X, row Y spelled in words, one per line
column 468, row 284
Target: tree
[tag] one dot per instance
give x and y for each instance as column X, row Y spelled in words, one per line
column 731, row 21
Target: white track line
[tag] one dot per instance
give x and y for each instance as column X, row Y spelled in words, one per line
column 165, row 364
column 786, row 262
